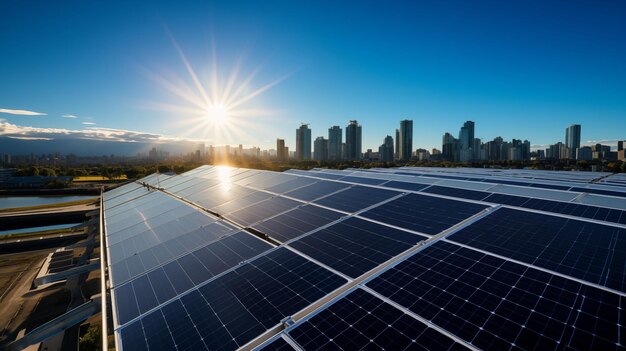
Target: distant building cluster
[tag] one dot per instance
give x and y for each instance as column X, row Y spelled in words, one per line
column 468, row 148
column 572, row 149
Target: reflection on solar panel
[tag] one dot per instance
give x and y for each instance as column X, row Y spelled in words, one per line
column 356, row 198
column 362, row 321
column 294, row 223
column 223, row 258
column 234, row 308
column 425, row 214
column 495, row 304
column 589, row 251
column 355, row 246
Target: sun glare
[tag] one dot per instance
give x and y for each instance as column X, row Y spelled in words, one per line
column 214, row 110
column 218, row 114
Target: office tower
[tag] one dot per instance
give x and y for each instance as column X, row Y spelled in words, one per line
column 303, row 143
column 385, row 151
column 466, row 141
column 396, row 154
column 406, row 140
column 450, row 148
column 320, row 149
column 334, row 143
column 353, row 141
column 281, row 151
column 572, row 140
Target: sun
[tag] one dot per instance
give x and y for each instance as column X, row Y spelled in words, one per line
column 218, row 114
column 214, row 108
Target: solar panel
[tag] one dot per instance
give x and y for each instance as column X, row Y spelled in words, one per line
column 278, row 345
column 184, row 273
column 356, row 198
column 355, row 246
column 316, row 190
column 425, row 214
column 361, row 321
column 231, row 310
column 296, row 222
column 589, row 251
column 495, row 304
column 454, row 192
column 185, row 278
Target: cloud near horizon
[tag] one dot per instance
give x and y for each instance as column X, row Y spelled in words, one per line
column 69, row 116
column 14, row 131
column 21, row 112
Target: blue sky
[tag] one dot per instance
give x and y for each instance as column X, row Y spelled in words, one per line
column 519, row 69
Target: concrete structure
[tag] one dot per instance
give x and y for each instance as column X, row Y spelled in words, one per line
column 406, row 140
column 282, row 153
column 303, row 143
column 572, row 140
column 353, row 141
column 320, row 149
column 385, row 151
column 335, row 139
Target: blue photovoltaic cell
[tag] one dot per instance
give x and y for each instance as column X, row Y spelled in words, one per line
column 599, row 191
column 355, row 246
column 406, row 185
column 294, row 223
column 361, row 321
column 455, row 192
column 292, row 184
column 277, row 345
column 589, row 251
column 425, row 214
column 356, row 198
column 361, row 180
column 500, row 305
column 262, row 210
column 507, row 199
column 317, row 190
column 231, row 310
column 578, row 210
column 185, row 272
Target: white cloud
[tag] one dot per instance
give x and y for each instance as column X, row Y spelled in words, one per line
column 89, row 123
column 21, row 112
column 69, row 116
column 93, row 133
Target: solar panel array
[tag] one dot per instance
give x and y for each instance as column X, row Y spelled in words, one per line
column 396, row 259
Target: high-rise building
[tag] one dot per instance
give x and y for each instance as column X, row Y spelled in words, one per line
column 303, row 143
column 334, row 143
column 281, row 151
column 320, row 149
column 450, row 148
column 466, row 141
column 572, row 140
column 396, row 150
column 406, row 140
column 353, row 141
column 385, row 151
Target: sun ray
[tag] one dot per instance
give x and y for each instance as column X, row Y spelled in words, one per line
column 218, row 114
column 191, row 71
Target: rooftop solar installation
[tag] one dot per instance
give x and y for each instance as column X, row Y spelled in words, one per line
column 394, row 258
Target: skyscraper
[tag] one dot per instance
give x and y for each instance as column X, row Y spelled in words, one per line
column 466, row 140
column 281, row 152
column 572, row 140
column 320, row 149
column 303, row 143
column 353, row 141
column 335, row 140
column 406, row 140
column 396, row 150
column 385, row 151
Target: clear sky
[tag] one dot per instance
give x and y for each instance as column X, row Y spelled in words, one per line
column 519, row 69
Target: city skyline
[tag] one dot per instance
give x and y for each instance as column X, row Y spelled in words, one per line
column 542, row 71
